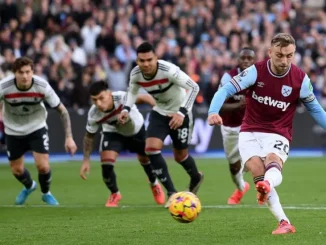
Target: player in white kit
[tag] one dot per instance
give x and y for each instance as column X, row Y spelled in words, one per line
column 174, row 93
column 24, row 116
column 116, row 138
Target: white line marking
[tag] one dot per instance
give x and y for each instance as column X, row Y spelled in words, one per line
column 293, row 207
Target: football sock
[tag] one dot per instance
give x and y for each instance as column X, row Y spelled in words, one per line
column 25, row 179
column 273, row 174
column 45, row 181
column 148, row 168
column 258, row 178
column 161, row 171
column 190, row 166
column 238, row 181
column 274, row 205
column 109, row 177
column 237, row 177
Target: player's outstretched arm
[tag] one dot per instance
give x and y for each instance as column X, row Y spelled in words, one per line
column 308, row 98
column 317, row 112
column 227, row 106
column 145, row 99
column 70, row 144
column 88, row 142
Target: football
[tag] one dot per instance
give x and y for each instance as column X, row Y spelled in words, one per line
column 185, row 207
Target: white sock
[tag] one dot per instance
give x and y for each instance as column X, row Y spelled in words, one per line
column 274, row 177
column 155, row 183
column 274, row 205
column 33, row 185
column 238, row 180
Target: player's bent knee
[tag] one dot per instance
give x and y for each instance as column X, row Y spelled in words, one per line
column 180, row 155
column 256, row 166
column 153, row 145
column 43, row 168
column 143, row 159
column 17, row 166
column 108, row 157
column 273, row 158
column 235, row 167
column 42, row 162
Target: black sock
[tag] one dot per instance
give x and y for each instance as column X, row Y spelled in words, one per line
column 109, row 177
column 258, row 178
column 25, row 179
column 162, row 172
column 45, row 181
column 190, row 166
column 148, row 168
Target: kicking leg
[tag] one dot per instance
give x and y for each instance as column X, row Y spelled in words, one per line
column 256, row 166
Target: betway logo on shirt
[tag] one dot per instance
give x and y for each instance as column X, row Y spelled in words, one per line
column 266, row 100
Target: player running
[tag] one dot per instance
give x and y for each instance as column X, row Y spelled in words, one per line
column 116, row 137
column 24, row 116
column 274, row 87
column 232, row 113
column 174, row 93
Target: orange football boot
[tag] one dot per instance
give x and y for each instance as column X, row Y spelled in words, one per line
column 237, row 195
column 113, row 200
column 158, row 193
column 263, row 188
column 284, row 227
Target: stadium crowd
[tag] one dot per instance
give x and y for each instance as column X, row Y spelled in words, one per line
column 75, row 42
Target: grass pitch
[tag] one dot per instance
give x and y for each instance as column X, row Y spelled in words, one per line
column 82, row 218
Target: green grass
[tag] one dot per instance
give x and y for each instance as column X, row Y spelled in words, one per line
column 83, row 219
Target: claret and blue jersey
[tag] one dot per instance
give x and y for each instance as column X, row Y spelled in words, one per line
column 271, row 99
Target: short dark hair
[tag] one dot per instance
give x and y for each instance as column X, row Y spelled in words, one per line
column 20, row 62
column 282, row 40
column 145, row 48
column 97, row 87
column 246, row 48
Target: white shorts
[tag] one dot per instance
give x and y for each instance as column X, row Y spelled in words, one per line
column 261, row 144
column 231, row 143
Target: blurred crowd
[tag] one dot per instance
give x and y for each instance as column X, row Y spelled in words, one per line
column 76, row 42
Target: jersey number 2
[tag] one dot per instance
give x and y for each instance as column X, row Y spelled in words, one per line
column 282, row 147
column 46, row 141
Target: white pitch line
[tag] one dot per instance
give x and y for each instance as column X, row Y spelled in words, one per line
column 293, row 207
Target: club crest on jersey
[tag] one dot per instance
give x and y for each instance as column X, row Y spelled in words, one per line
column 243, row 73
column 286, row 90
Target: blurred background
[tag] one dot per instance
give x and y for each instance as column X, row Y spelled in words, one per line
column 76, row 42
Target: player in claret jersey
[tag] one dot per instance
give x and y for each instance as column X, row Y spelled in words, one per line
column 232, row 113
column 116, row 138
column 274, row 87
column 24, row 117
column 174, row 93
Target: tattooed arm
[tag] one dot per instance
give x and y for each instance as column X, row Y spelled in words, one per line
column 65, row 118
column 87, row 149
column 70, row 145
column 88, row 145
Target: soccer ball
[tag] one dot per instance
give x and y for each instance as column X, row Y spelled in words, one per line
column 185, row 207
